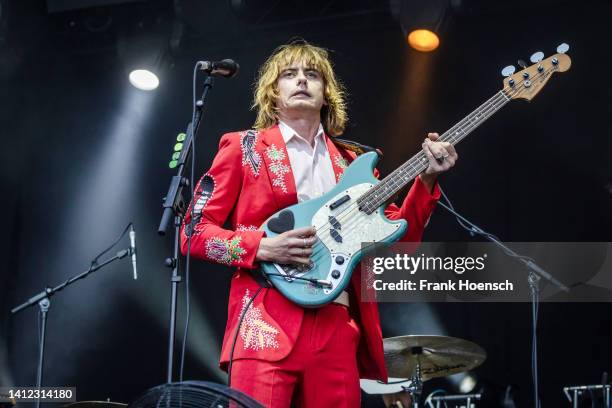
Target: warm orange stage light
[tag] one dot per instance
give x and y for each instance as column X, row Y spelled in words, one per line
column 423, row 40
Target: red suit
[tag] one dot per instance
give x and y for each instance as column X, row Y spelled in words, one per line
column 251, row 179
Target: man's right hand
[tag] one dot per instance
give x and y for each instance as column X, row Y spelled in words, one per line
column 289, row 248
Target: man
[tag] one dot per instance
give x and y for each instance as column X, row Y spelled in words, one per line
column 278, row 352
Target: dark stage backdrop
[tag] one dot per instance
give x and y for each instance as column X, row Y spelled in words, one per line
column 84, row 153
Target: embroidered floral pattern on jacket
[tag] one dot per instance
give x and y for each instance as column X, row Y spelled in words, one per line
column 341, row 163
column 256, row 333
column 250, row 156
column 203, row 194
column 277, row 167
column 241, row 227
column 274, row 153
column 225, row 251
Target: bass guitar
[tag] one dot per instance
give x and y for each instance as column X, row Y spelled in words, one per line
column 352, row 212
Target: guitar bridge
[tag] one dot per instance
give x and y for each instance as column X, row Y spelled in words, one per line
column 291, row 272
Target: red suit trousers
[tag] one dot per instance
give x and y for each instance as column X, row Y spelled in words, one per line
column 320, row 371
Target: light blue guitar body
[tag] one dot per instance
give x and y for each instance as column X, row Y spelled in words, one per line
column 341, row 229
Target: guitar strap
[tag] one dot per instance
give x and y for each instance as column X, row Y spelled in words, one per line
column 259, row 277
column 355, row 147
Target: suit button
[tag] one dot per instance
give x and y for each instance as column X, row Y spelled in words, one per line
column 339, row 260
column 335, row 274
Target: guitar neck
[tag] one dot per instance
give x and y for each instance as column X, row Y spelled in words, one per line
column 418, row 163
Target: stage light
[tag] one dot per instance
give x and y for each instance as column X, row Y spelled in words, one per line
column 144, row 79
column 110, row 175
column 467, row 384
column 423, row 40
column 422, row 21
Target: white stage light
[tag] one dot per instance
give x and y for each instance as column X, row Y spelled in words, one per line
column 144, row 79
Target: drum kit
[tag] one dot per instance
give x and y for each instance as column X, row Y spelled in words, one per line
column 411, row 360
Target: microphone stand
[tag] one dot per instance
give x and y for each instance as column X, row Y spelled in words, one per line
column 174, row 209
column 43, row 299
column 536, row 273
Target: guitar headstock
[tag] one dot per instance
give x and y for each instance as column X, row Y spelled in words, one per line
column 528, row 82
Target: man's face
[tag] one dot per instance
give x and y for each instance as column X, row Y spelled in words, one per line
column 300, row 88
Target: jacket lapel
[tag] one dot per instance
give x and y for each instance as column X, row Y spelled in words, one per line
column 339, row 162
column 278, row 167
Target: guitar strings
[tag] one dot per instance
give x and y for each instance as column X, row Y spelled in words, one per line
column 420, row 157
column 493, row 105
column 487, row 113
column 502, row 96
column 350, row 225
column 453, row 136
column 351, row 209
column 320, row 247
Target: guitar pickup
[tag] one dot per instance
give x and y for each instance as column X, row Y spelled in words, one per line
column 336, row 235
column 334, row 222
column 339, row 202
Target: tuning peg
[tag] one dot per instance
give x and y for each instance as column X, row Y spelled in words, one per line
column 522, row 64
column 537, row 57
column 562, row 48
column 507, row 71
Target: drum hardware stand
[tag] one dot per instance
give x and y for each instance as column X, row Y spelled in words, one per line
column 174, row 209
column 416, row 381
column 468, row 398
column 43, row 299
column 577, row 391
column 535, row 274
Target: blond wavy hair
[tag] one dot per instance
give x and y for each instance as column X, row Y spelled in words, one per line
column 333, row 115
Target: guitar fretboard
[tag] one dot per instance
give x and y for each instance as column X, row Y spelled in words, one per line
column 418, row 163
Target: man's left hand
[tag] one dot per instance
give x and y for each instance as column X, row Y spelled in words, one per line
column 441, row 155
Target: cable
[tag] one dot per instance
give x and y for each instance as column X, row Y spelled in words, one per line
column 533, row 283
column 95, row 260
column 534, row 343
column 474, row 230
column 191, row 226
column 450, row 204
column 311, row 280
column 231, row 357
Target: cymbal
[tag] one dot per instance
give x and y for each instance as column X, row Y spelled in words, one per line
column 95, row 404
column 439, row 356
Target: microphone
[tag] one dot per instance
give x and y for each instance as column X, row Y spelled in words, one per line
column 225, row 68
column 133, row 250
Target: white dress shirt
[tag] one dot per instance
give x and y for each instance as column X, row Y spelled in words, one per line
column 311, row 166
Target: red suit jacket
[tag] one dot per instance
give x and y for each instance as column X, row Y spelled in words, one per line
column 251, row 179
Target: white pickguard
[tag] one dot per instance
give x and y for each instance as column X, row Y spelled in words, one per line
column 355, row 226
column 352, row 226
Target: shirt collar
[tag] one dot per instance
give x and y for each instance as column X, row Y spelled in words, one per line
column 288, row 133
